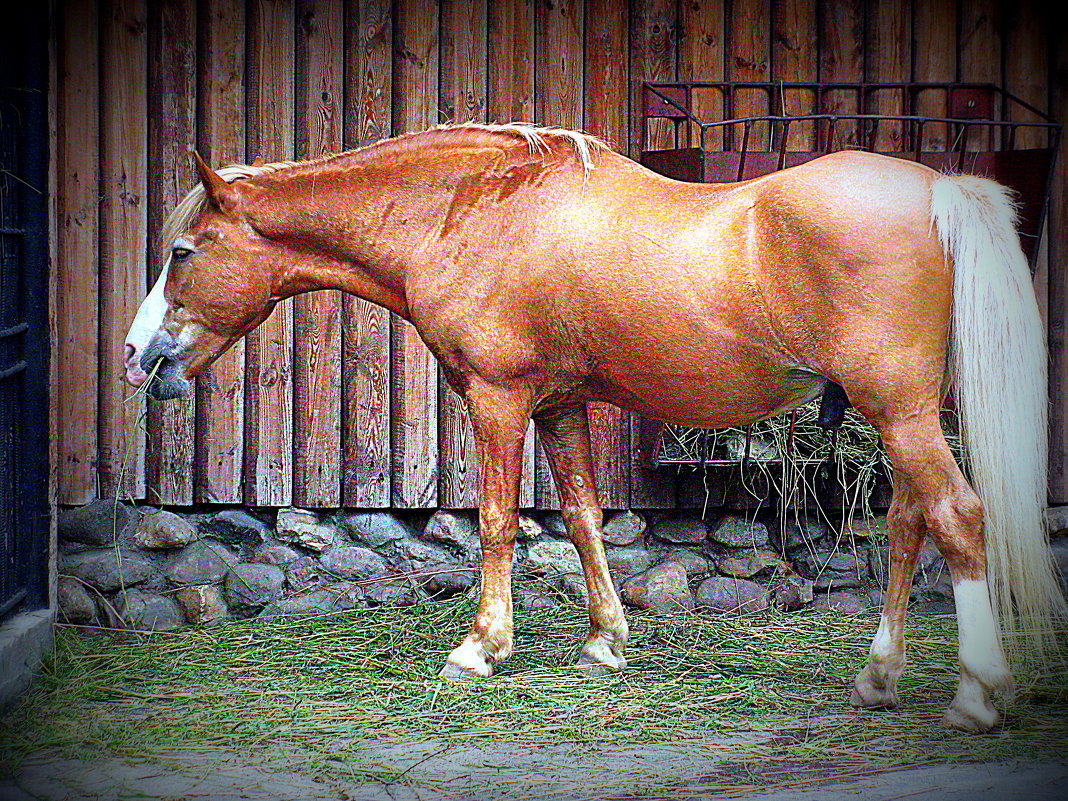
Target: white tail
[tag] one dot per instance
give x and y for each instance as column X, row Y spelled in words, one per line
column 998, row 363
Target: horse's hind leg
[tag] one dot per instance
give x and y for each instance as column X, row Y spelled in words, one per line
column 566, row 438
column 499, row 420
column 933, row 489
column 876, row 685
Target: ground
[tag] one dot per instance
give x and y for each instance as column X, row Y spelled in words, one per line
column 348, row 708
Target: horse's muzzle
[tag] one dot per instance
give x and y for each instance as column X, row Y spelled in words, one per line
column 167, row 382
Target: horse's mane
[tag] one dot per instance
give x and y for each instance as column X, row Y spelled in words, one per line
column 537, row 139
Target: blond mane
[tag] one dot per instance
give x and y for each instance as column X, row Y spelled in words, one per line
column 537, row 139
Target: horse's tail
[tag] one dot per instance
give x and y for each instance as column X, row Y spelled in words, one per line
column 998, row 364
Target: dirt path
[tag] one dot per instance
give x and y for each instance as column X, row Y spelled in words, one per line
column 436, row 771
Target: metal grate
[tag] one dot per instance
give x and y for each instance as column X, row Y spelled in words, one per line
column 24, row 505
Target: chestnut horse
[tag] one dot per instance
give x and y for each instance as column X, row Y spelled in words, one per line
column 544, row 271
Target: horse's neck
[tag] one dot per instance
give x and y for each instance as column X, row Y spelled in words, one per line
column 349, row 230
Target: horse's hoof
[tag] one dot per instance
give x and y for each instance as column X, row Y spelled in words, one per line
column 972, row 721
column 598, row 658
column 452, row 672
column 873, row 697
column 593, row 666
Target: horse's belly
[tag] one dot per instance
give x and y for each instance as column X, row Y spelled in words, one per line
column 726, row 393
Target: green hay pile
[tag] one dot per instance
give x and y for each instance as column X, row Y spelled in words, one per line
column 317, row 688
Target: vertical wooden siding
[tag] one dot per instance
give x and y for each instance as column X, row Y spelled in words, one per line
column 332, row 402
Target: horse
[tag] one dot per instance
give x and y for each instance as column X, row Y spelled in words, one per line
column 543, row 271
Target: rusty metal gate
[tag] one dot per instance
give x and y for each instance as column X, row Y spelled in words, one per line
column 24, row 430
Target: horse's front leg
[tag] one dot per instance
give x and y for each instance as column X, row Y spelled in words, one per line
column 566, row 438
column 500, row 421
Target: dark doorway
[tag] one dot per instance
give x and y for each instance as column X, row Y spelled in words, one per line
column 24, row 269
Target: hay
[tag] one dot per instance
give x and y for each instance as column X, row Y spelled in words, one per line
column 322, row 686
column 852, row 458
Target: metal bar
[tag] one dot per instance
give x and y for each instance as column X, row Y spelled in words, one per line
column 962, row 137
column 13, row 231
column 1043, row 126
column 12, row 602
column 728, row 114
column 782, row 144
column 906, row 87
column 14, row 369
column 745, row 148
column 1055, row 145
column 13, row 330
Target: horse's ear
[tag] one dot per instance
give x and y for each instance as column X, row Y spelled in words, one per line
column 220, row 193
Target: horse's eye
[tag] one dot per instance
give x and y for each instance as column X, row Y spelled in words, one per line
column 178, row 254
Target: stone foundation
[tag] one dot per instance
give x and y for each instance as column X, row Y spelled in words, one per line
column 153, row 569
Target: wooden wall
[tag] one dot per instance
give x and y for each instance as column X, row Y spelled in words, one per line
column 333, row 402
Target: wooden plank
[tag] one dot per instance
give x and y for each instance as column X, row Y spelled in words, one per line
column 414, row 390
column 652, row 58
column 889, row 45
column 605, row 80
column 545, row 494
column 701, row 53
column 1027, row 65
column 461, row 98
column 77, row 180
column 980, row 55
column 749, row 59
column 220, row 414
column 510, row 53
column 1027, row 77
column 510, row 90
column 605, row 96
column 795, row 57
column 559, row 76
column 841, row 59
column 935, row 59
column 462, row 84
column 269, row 349
column 367, row 459
column 317, row 315
column 171, row 135
column 559, row 64
column 123, row 229
column 1058, row 282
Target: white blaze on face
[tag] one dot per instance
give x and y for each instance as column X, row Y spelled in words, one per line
column 146, row 323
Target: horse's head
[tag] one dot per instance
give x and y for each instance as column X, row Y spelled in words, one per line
column 215, row 287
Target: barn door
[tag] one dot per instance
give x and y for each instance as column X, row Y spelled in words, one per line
column 24, row 428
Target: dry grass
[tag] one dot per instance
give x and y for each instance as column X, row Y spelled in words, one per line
column 323, row 685
column 852, row 458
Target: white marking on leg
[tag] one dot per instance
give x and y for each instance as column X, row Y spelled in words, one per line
column 468, row 658
column 881, row 646
column 876, row 684
column 980, row 644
